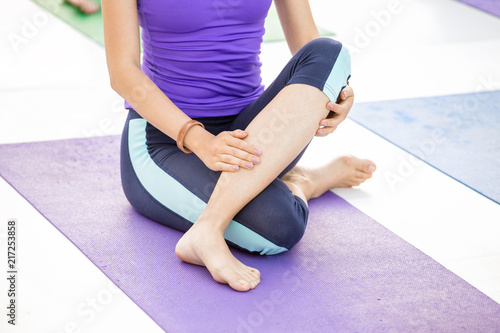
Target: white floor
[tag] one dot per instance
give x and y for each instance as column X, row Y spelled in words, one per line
column 55, row 86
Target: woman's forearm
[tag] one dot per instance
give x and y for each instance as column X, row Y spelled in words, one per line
column 130, row 82
column 122, row 44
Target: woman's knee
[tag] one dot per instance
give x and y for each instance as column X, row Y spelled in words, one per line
column 324, row 44
column 331, row 65
column 277, row 217
column 291, row 231
column 323, row 63
column 323, row 49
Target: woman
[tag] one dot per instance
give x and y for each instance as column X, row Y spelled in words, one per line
column 199, row 90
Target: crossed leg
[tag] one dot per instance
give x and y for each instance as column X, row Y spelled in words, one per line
column 280, row 139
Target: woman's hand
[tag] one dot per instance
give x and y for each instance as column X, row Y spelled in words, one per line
column 227, row 151
column 339, row 112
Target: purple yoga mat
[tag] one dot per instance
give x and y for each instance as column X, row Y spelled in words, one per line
column 490, row 6
column 348, row 274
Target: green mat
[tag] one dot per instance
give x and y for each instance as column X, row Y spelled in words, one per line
column 91, row 25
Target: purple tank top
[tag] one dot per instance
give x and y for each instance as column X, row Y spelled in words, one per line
column 204, row 54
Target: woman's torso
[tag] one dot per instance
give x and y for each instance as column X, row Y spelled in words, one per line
column 204, row 54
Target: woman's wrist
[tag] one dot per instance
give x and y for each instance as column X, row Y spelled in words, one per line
column 195, row 138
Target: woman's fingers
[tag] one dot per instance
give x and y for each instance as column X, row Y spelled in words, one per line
column 240, row 162
column 345, row 101
column 339, row 112
column 346, row 93
column 221, row 166
column 327, row 126
column 324, row 131
column 231, row 152
column 243, row 145
column 239, row 134
column 341, row 108
column 231, row 163
column 239, row 157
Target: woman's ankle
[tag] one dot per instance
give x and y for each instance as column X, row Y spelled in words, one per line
column 212, row 223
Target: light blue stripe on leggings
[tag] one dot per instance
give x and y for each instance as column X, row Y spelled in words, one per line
column 173, row 195
column 338, row 76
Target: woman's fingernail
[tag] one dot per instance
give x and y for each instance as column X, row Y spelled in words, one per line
column 344, row 94
column 324, row 123
column 257, row 152
column 249, row 165
column 371, row 168
column 236, row 168
column 330, row 105
column 243, row 133
column 320, row 132
column 255, row 160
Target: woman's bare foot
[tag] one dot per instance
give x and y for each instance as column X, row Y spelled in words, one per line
column 86, row 6
column 345, row 171
column 204, row 246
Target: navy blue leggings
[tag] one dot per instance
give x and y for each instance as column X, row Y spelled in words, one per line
column 172, row 187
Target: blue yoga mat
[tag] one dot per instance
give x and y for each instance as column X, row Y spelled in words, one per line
column 348, row 273
column 457, row 134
